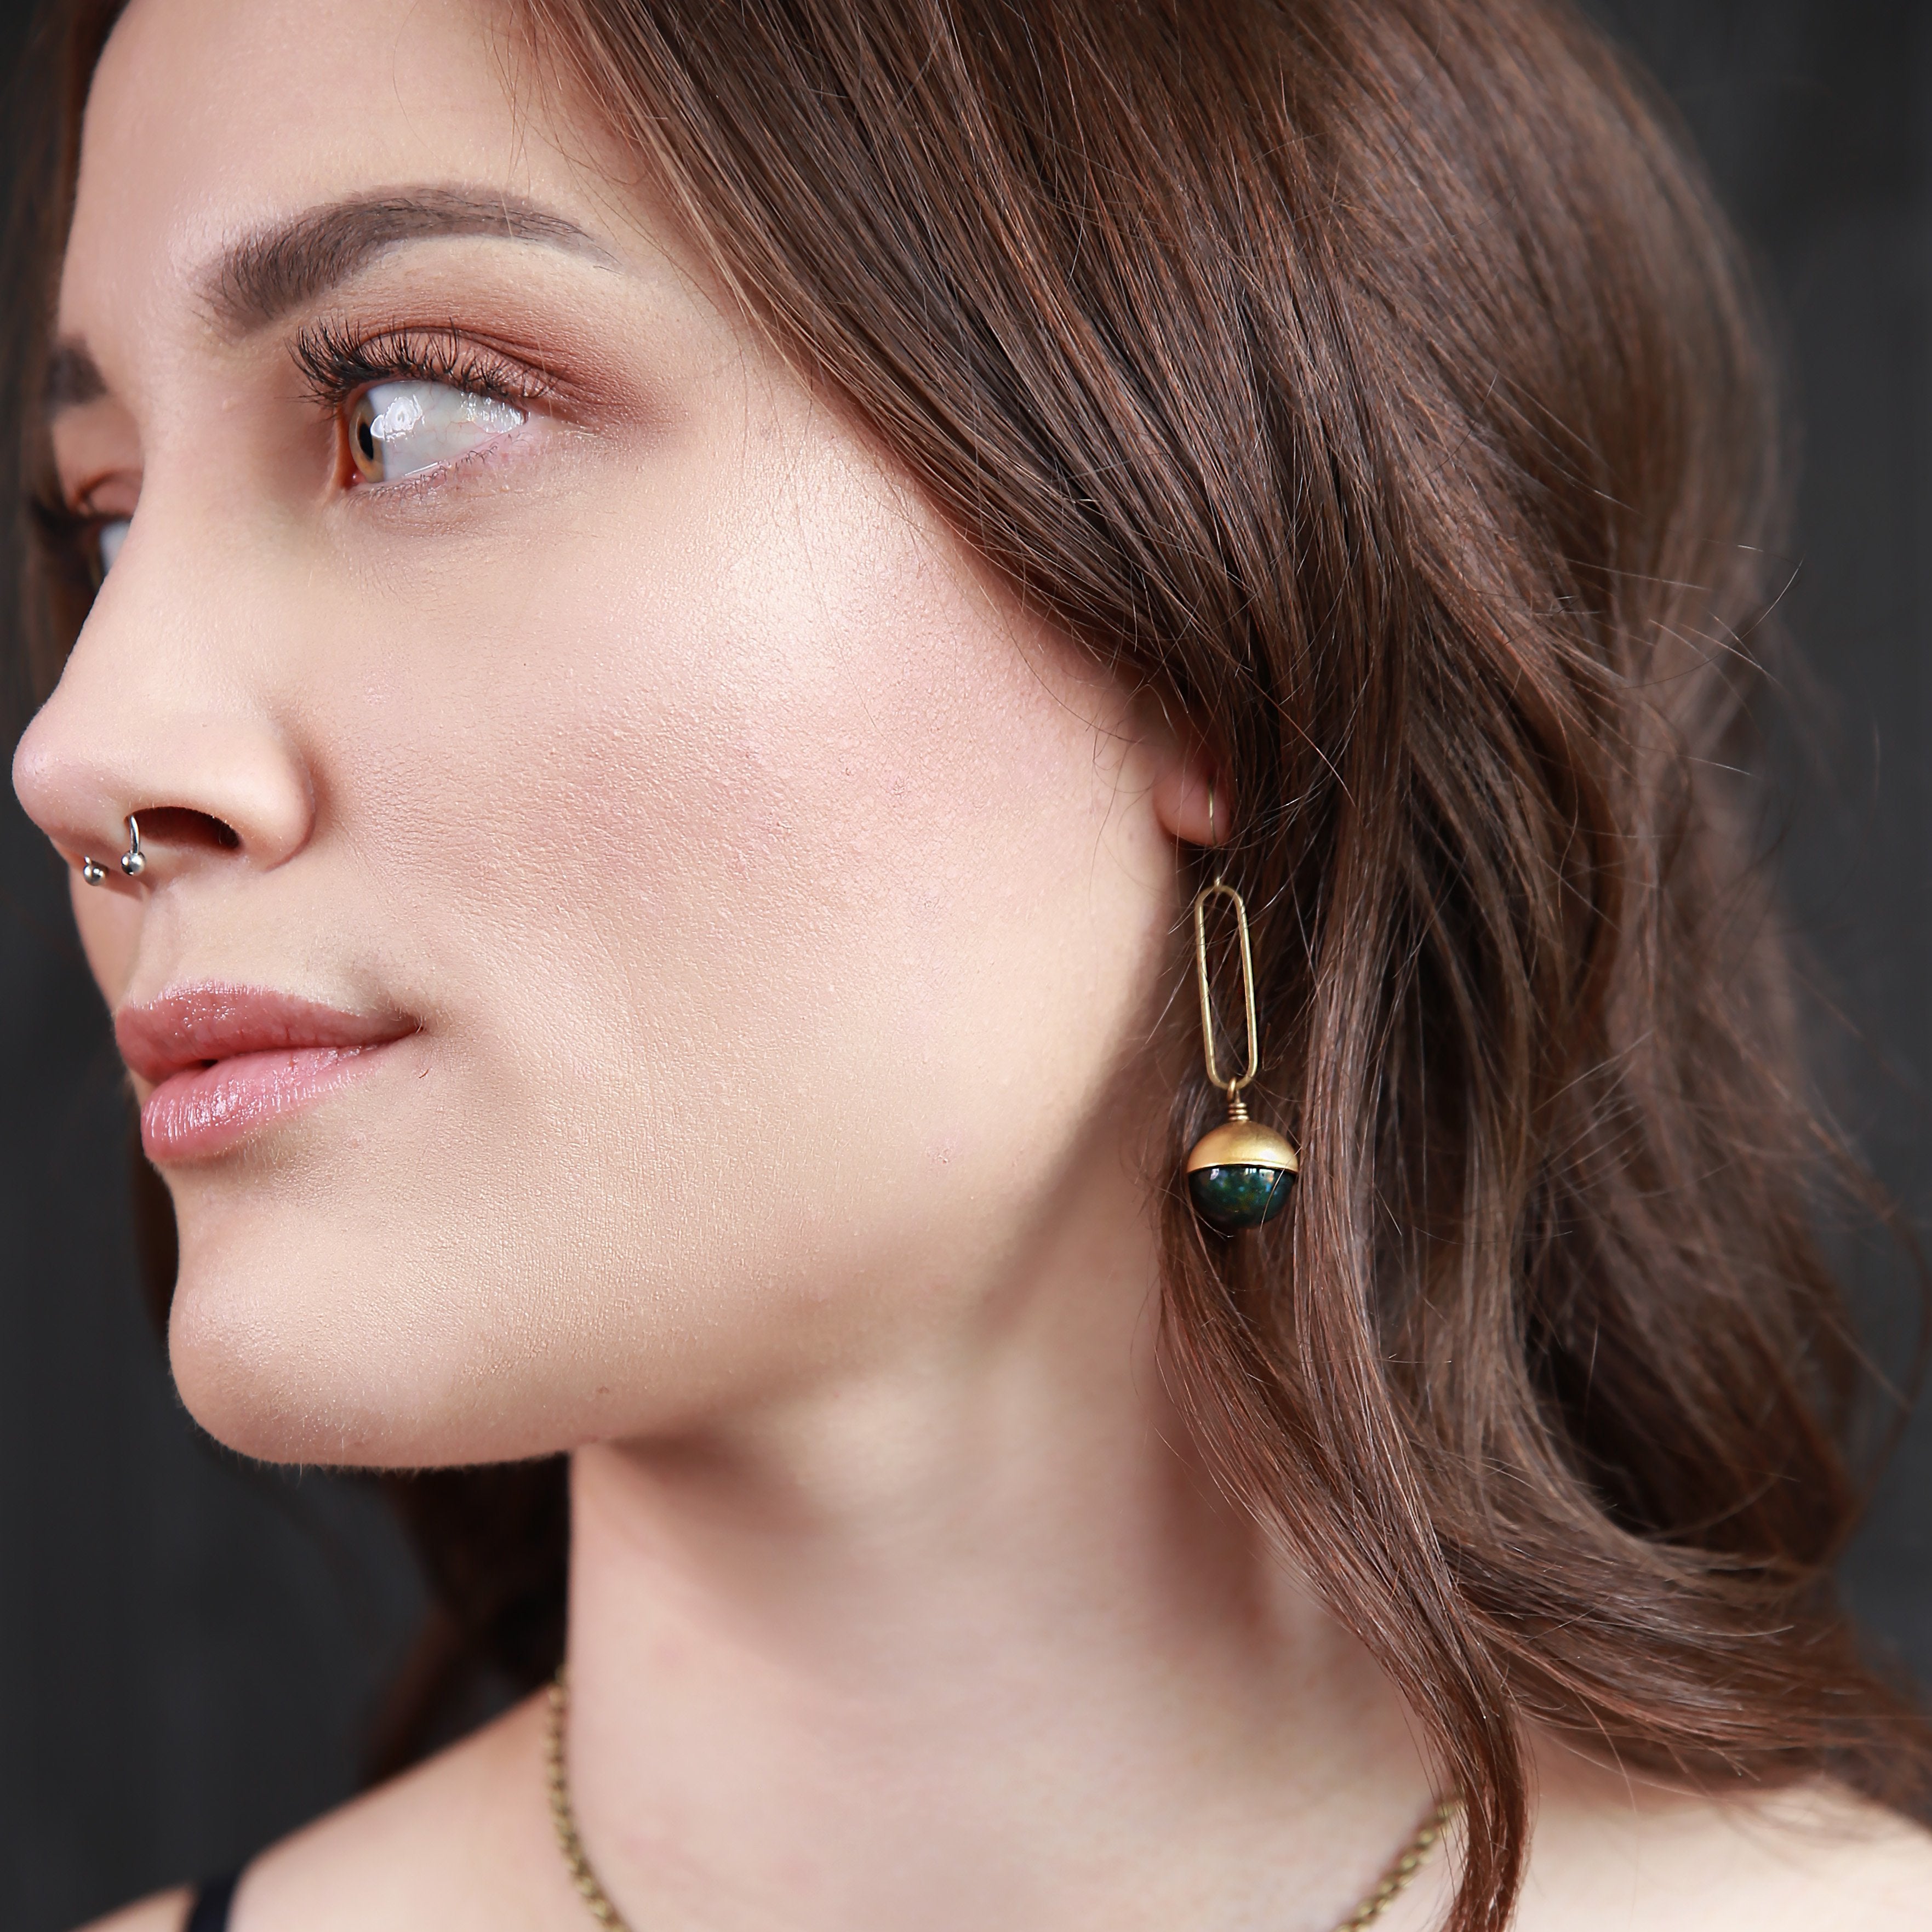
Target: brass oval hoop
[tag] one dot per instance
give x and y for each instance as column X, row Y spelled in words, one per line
column 1222, row 889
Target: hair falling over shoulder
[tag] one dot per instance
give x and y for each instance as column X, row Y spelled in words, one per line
column 1374, row 381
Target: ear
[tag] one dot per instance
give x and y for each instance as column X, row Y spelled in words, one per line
column 1190, row 799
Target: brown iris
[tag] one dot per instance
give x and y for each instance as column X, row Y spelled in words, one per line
column 364, row 450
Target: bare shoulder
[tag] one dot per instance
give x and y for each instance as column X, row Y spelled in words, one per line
column 1613, row 1856
column 455, row 1842
column 165, row 1911
column 461, row 1841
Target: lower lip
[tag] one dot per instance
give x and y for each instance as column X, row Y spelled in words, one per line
column 205, row 1110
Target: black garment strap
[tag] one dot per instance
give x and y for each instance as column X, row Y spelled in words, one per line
column 209, row 1912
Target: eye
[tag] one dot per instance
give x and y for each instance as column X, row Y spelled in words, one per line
column 398, row 429
column 108, row 539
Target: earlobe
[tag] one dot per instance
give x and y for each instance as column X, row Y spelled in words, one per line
column 1191, row 800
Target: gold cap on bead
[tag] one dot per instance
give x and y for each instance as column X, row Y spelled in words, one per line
column 1244, row 1144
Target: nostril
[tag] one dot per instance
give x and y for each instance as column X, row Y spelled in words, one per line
column 178, row 826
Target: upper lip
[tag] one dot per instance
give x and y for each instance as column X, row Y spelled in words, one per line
column 194, row 1026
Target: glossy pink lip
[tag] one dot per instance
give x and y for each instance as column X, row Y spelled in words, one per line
column 226, row 1060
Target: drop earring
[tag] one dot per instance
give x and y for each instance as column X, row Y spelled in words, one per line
column 1239, row 1174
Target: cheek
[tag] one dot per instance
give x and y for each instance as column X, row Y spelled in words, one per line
column 804, row 824
column 856, row 835
column 756, row 779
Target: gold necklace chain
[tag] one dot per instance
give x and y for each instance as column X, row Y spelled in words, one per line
column 1392, row 1884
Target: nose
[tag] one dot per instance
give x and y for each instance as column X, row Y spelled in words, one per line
column 156, row 717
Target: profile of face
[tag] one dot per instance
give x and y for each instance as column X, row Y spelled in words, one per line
column 638, row 922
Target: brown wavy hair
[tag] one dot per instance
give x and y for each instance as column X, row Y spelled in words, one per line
column 1375, row 383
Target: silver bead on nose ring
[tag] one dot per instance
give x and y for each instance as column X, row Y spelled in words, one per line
column 133, row 861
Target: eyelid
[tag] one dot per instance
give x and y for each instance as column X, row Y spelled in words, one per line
column 85, row 503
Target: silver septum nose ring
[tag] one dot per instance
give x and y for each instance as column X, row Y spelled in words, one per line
column 133, row 861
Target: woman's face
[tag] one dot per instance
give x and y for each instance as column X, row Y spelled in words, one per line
column 636, row 921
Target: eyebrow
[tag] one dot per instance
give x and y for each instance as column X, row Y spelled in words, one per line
column 72, row 377
column 260, row 277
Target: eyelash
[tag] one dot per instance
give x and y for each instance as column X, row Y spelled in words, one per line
column 335, row 363
column 69, row 539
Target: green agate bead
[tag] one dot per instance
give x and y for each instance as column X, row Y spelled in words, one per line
column 1231, row 1199
column 1240, row 1175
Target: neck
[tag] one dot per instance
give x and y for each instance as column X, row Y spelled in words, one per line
column 968, row 1638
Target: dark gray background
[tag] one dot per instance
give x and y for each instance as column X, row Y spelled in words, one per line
column 190, row 1652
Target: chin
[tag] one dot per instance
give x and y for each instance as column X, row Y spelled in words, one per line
column 259, row 1386
column 322, row 1363
column 291, row 1342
